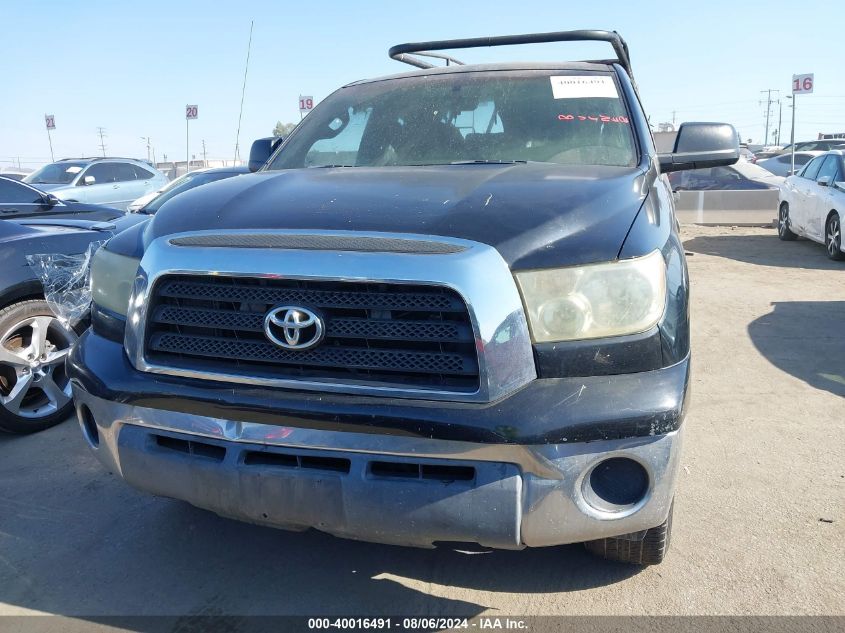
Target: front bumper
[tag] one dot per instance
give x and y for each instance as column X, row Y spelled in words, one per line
column 289, row 461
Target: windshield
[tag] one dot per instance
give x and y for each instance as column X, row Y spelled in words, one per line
column 186, row 182
column 565, row 117
column 55, row 174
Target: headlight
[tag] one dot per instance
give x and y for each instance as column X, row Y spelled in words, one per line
column 594, row 301
column 112, row 276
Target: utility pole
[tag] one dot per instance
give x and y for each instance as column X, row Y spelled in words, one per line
column 792, row 135
column 147, row 139
column 204, row 161
column 769, row 102
column 780, row 120
column 102, row 132
column 673, row 118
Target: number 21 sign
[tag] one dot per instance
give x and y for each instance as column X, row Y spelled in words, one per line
column 802, row 84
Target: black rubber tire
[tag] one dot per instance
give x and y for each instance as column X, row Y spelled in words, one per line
column 834, row 225
column 10, row 422
column 651, row 550
column 784, row 233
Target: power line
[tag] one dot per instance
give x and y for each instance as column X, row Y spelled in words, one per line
column 243, row 92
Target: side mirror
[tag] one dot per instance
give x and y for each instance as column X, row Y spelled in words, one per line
column 48, row 201
column 824, row 181
column 260, row 151
column 89, row 180
column 701, row 145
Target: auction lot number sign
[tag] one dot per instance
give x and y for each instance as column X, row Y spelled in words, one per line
column 306, row 104
column 802, row 84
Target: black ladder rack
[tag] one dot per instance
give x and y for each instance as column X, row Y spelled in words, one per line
column 405, row 52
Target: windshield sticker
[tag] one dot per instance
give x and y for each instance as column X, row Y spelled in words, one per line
column 73, row 169
column 583, row 86
column 598, row 118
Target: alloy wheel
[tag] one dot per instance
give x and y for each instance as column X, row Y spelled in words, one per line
column 834, row 236
column 783, row 220
column 33, row 381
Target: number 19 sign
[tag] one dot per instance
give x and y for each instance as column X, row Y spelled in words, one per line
column 306, row 104
column 802, row 84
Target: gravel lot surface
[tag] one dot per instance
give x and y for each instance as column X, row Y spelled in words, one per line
column 759, row 521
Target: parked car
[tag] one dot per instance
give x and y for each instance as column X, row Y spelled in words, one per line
column 747, row 154
column 14, row 174
column 151, row 202
column 820, row 145
column 768, row 151
column 113, row 182
column 20, row 200
column 743, row 193
column 781, row 165
column 812, row 203
column 740, row 176
column 35, row 390
column 451, row 307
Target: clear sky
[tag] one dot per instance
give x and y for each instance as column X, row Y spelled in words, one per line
column 131, row 67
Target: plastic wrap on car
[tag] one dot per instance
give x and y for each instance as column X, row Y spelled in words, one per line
column 65, row 279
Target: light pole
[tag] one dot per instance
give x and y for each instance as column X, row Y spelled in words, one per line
column 792, row 135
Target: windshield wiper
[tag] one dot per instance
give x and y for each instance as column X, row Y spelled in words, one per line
column 328, row 166
column 487, row 162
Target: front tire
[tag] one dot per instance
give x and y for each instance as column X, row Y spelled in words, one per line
column 784, row 231
column 651, row 550
column 833, row 237
column 35, row 391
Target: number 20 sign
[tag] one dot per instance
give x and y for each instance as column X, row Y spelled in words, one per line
column 802, row 84
column 191, row 111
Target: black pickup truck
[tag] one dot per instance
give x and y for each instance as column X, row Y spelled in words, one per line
column 451, row 307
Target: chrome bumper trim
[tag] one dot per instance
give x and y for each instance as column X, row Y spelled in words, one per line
column 552, row 508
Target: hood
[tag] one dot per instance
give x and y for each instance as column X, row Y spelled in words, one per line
column 537, row 215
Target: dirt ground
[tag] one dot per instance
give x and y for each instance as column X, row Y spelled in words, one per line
column 759, row 517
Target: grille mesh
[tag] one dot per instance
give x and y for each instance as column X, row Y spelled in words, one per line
column 386, row 334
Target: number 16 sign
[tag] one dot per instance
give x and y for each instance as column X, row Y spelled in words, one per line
column 802, row 84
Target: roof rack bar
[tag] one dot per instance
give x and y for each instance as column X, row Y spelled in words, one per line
column 419, row 63
column 400, row 52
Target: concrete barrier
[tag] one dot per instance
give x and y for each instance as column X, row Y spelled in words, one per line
column 752, row 207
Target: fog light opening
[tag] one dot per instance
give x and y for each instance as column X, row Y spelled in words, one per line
column 89, row 427
column 616, row 484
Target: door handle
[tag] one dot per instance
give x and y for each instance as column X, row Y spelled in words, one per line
column 115, row 186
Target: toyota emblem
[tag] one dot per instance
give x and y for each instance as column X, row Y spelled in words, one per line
column 293, row 327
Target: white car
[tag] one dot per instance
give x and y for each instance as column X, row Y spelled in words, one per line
column 781, row 165
column 812, row 203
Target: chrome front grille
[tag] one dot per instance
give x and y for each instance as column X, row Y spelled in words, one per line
column 376, row 333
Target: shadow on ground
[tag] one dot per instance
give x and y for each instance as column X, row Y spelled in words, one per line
column 804, row 338
column 77, row 541
column 764, row 250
